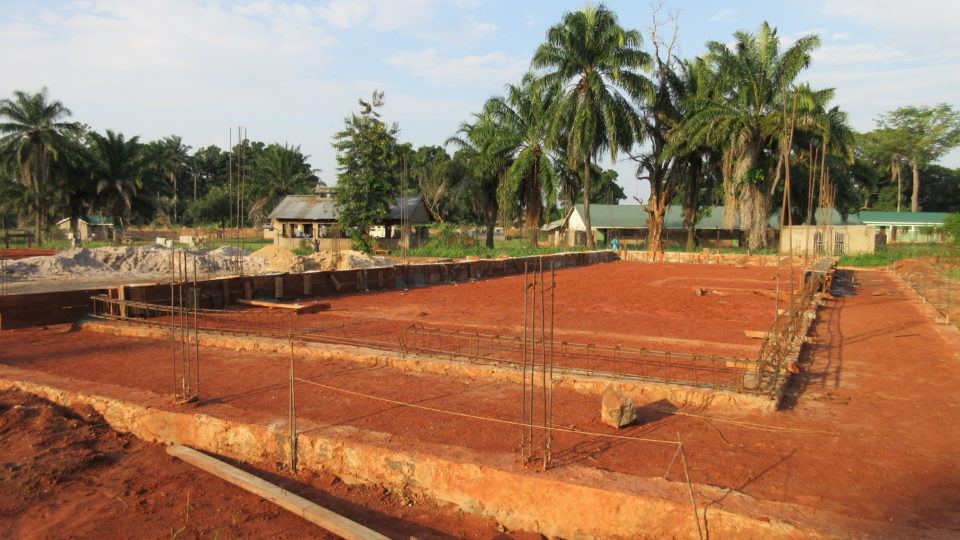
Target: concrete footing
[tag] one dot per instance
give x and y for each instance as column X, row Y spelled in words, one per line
column 571, row 501
column 640, row 391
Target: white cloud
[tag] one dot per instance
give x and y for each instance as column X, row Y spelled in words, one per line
column 480, row 29
column 723, row 15
column 914, row 22
column 492, row 70
column 409, row 15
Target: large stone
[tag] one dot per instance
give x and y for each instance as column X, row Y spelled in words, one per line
column 616, row 409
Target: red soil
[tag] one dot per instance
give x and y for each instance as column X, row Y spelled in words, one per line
column 89, row 481
column 882, row 379
column 621, row 303
column 13, row 254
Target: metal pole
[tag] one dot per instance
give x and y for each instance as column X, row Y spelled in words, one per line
column 543, row 365
column 523, row 370
column 293, row 408
column 173, row 330
column 553, row 288
column 196, row 327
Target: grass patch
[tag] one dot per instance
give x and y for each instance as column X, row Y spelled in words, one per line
column 507, row 248
column 892, row 253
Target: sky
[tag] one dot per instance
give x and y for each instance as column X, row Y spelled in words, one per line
column 289, row 72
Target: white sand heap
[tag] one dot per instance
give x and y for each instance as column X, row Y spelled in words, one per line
column 122, row 261
column 154, row 261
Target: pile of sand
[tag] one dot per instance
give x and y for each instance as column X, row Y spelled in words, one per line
column 344, row 260
column 278, row 259
column 124, row 261
column 154, row 261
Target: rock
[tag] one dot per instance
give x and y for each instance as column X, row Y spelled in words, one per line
column 616, row 409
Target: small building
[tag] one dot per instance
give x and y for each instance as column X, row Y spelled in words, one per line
column 906, row 227
column 628, row 223
column 303, row 219
column 88, row 228
column 831, row 234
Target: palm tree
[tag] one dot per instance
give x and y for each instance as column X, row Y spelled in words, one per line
column 596, row 63
column 171, row 158
column 746, row 118
column 34, row 134
column 480, row 146
column 523, row 117
column 280, row 170
column 118, row 166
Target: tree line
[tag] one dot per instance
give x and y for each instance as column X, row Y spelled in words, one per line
column 52, row 167
column 734, row 126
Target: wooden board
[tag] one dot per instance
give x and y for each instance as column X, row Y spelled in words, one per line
column 312, row 512
column 310, row 307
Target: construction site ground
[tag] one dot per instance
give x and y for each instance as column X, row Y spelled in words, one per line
column 66, row 474
column 866, row 441
column 619, row 303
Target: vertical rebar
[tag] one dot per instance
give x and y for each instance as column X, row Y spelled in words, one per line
column 196, row 329
column 173, row 330
column 293, row 409
column 553, row 288
column 523, row 370
column 543, row 364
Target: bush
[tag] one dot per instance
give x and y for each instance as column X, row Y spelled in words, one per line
column 952, row 227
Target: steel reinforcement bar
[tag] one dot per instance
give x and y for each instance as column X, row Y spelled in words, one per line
column 649, row 365
column 745, row 375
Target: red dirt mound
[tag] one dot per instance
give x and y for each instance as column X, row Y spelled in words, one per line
column 65, row 474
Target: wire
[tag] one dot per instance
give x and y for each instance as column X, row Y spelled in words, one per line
column 484, row 418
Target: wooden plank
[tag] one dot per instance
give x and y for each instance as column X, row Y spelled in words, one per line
column 297, row 307
column 310, row 511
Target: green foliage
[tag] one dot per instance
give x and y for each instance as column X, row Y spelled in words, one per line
column 454, row 249
column 33, row 137
column 598, row 64
column 277, row 171
column 434, row 172
column 923, row 133
column 523, row 119
column 118, row 168
column 952, row 227
column 213, row 207
column 892, row 253
column 367, row 171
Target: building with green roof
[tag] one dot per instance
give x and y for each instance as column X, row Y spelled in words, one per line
column 906, row 226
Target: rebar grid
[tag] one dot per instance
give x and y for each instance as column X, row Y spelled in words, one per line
column 639, row 364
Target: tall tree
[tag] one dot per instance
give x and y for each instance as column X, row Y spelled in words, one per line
column 523, row 116
column 171, row 158
column 745, row 119
column 597, row 64
column 430, row 167
column 278, row 171
column 486, row 159
column 367, row 170
column 923, row 135
column 118, row 166
column 33, row 134
column 661, row 113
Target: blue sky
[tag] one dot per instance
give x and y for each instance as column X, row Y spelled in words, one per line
column 290, row 71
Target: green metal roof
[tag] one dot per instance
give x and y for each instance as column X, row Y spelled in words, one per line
column 871, row 217
column 632, row 216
